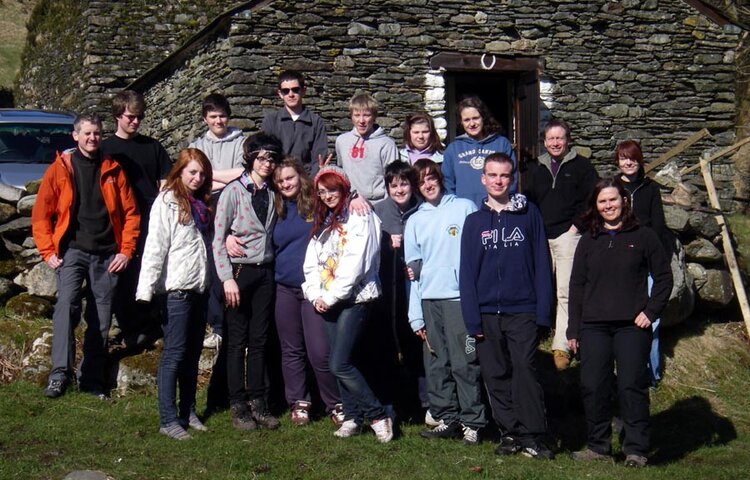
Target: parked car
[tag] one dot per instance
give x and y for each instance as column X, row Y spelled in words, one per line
column 28, row 142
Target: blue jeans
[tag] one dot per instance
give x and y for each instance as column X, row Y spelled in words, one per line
column 343, row 326
column 654, row 363
column 183, row 324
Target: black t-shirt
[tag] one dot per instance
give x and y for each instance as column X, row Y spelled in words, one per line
column 145, row 162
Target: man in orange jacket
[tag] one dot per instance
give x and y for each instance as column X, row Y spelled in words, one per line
column 85, row 224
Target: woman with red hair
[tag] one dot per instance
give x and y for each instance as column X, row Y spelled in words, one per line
column 341, row 281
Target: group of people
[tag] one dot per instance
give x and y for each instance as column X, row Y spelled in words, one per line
column 455, row 243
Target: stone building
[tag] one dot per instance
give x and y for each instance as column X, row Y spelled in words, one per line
column 653, row 70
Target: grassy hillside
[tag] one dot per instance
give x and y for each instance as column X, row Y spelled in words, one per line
column 13, row 17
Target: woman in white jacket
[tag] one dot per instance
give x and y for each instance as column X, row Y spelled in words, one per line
column 175, row 265
column 341, row 281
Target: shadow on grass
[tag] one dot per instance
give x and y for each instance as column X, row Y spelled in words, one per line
column 686, row 426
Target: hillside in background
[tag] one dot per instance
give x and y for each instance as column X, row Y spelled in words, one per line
column 13, row 17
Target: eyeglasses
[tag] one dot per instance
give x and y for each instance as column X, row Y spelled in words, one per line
column 285, row 91
column 328, row 193
column 264, row 159
column 132, row 118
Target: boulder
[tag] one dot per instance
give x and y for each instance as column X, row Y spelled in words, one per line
column 32, row 188
column 682, row 299
column 11, row 267
column 6, row 212
column 714, row 287
column 676, row 218
column 28, row 306
column 35, row 366
column 138, row 373
column 682, row 196
column 702, row 251
column 9, row 193
column 12, row 247
column 25, row 205
column 7, row 290
column 704, row 224
column 669, row 175
column 17, row 225
column 40, row 281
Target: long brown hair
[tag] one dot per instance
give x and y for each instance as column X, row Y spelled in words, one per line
column 304, row 196
column 490, row 126
column 422, row 118
column 593, row 218
column 331, row 182
column 180, row 191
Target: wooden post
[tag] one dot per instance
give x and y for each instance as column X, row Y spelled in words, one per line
column 734, row 269
column 717, row 155
column 679, row 148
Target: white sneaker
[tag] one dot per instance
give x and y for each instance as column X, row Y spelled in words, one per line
column 430, row 421
column 212, row 340
column 337, row 415
column 348, row 429
column 471, row 436
column 383, row 429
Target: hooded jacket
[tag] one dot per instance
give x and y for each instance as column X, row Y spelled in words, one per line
column 561, row 198
column 223, row 153
column 433, row 236
column 505, row 264
column 364, row 160
column 463, row 161
column 50, row 217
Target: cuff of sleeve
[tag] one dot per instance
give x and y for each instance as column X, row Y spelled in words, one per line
column 144, row 296
column 416, row 324
column 329, row 299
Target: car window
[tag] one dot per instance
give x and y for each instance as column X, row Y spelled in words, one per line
column 33, row 142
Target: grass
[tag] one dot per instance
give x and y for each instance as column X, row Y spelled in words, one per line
column 701, row 418
column 12, row 38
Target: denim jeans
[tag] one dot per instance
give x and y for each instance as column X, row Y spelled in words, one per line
column 183, row 324
column 343, row 325
column 654, row 356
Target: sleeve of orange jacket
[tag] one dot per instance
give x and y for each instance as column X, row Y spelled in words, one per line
column 131, row 218
column 43, row 214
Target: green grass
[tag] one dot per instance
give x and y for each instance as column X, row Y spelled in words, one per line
column 701, row 430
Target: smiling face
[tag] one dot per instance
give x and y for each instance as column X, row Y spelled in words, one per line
column 496, row 178
column 430, row 189
column 556, row 142
column 628, row 166
column 400, row 191
column 472, row 122
column 263, row 164
column 287, row 182
column 193, row 176
column 609, row 205
column 88, row 137
column 363, row 121
column 128, row 123
column 330, row 198
column 217, row 122
column 419, row 134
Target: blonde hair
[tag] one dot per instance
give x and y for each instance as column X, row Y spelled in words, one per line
column 364, row 101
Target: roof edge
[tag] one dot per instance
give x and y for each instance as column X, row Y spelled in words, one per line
column 716, row 15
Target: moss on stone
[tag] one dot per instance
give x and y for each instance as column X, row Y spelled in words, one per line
column 27, row 306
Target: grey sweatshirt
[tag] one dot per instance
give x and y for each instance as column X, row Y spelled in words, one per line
column 364, row 160
column 223, row 153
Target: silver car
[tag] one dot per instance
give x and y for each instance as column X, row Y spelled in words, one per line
column 28, row 142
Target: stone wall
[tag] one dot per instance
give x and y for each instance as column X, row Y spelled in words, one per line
column 653, row 71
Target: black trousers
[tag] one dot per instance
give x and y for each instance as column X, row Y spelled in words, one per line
column 507, row 358
column 603, row 346
column 247, row 328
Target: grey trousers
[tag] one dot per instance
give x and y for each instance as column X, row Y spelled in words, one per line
column 79, row 266
column 451, row 368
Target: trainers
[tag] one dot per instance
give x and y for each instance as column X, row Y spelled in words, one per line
column 242, row 419
column 55, row 388
column 444, row 430
column 429, row 420
column 635, row 461
column 337, row 415
column 175, row 430
column 348, row 429
column 588, row 455
column 471, row 436
column 383, row 429
column 538, row 450
column 508, row 445
column 300, row 413
column 195, row 423
column 561, row 358
column 262, row 415
column 212, row 340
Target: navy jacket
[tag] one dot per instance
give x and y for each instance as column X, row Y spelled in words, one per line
column 505, row 264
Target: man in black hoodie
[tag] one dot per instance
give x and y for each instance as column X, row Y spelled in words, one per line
column 559, row 184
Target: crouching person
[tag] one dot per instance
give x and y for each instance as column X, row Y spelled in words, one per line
column 175, row 264
column 85, row 224
column 506, row 291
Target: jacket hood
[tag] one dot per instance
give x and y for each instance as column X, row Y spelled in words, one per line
column 232, row 133
column 464, row 138
column 377, row 132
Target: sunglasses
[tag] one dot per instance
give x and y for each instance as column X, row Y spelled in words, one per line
column 133, row 118
column 285, row 91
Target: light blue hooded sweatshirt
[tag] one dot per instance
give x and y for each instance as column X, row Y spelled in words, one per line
column 433, row 237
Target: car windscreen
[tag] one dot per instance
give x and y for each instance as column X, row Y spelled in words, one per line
column 33, row 142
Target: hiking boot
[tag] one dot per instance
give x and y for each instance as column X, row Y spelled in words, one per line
column 348, row 429
column 508, row 445
column 561, row 358
column 635, row 461
column 383, row 429
column 429, row 420
column 471, row 436
column 300, row 413
column 55, row 388
column 538, row 450
column 337, row 415
column 262, row 415
column 588, row 455
column 444, row 430
column 242, row 419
